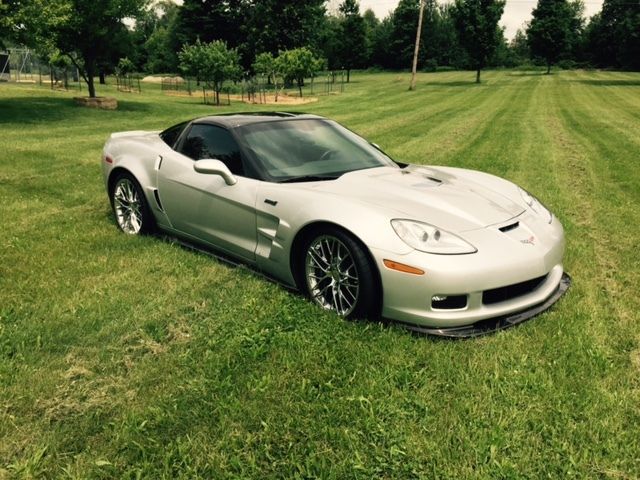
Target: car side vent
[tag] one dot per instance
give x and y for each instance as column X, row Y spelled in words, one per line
column 508, row 228
column 434, row 179
column 157, row 197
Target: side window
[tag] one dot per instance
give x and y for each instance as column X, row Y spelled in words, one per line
column 209, row 141
column 170, row 135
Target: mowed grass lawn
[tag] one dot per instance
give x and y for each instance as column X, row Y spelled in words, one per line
column 135, row 358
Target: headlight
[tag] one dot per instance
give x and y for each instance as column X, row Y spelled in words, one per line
column 536, row 205
column 430, row 239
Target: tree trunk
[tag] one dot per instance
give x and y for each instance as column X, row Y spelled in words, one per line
column 348, row 74
column 414, row 66
column 102, row 77
column 548, row 68
column 300, row 87
column 478, row 75
column 90, row 66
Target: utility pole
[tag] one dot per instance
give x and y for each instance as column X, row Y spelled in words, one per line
column 415, row 51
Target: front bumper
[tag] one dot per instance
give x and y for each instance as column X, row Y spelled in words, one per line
column 504, row 263
column 491, row 325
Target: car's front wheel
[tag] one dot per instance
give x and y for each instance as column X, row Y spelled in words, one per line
column 338, row 275
column 130, row 206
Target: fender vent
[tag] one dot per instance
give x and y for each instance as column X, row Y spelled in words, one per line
column 508, row 228
column 157, row 197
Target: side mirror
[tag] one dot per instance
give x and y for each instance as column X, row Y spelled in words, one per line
column 215, row 167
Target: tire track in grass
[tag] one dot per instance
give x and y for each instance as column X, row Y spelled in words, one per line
column 610, row 268
column 471, row 129
column 614, row 104
column 448, row 129
column 451, row 99
column 619, row 205
column 396, row 110
column 615, row 83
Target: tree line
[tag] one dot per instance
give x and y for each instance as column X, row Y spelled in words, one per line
column 96, row 35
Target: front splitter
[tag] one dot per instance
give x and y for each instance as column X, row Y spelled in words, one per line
column 491, row 325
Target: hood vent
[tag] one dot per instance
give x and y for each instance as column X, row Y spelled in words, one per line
column 508, row 228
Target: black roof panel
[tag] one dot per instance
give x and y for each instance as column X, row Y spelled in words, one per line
column 246, row 118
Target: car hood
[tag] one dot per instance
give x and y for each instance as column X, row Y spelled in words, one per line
column 438, row 196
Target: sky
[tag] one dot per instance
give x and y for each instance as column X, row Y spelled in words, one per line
column 516, row 12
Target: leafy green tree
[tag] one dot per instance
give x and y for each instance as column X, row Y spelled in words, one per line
column 153, row 38
column 274, row 25
column 476, row 22
column 371, row 24
column 549, row 32
column 125, row 67
column 613, row 35
column 6, row 21
column 330, row 41
column 265, row 64
column 381, row 51
column 298, row 64
column 213, row 63
column 404, row 21
column 519, row 47
column 353, row 42
column 84, row 30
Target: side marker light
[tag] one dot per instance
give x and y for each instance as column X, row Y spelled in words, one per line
column 401, row 267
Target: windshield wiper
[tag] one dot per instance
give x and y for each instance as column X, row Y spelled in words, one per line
column 308, row 178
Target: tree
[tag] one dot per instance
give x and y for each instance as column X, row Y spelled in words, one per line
column 213, row 63
column 84, row 30
column 6, row 23
column 613, row 35
column 371, row 24
column 265, row 65
column 274, row 25
column 298, row 64
column 353, row 44
column 476, row 22
column 381, row 52
column 153, row 38
column 520, row 47
column 404, row 22
column 209, row 20
column 550, row 30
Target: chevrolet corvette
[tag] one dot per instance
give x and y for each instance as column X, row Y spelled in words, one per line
column 316, row 207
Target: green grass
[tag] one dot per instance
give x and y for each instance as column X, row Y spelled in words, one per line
column 132, row 357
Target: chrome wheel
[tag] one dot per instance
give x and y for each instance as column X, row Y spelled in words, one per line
column 331, row 275
column 128, row 206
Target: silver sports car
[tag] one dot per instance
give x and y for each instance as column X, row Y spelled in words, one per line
column 316, row 207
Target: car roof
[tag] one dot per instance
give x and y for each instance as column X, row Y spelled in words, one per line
column 246, row 118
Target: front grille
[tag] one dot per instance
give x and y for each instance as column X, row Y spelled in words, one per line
column 502, row 294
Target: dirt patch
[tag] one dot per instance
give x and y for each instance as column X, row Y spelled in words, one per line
column 155, row 79
column 271, row 100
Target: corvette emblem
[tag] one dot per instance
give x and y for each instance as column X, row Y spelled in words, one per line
column 529, row 240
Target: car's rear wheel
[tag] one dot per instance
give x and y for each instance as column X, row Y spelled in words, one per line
column 130, row 206
column 338, row 274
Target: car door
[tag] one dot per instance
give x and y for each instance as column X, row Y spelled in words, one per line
column 203, row 205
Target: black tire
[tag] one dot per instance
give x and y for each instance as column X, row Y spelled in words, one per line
column 130, row 208
column 337, row 274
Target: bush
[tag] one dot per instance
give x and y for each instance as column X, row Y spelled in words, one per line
column 431, row 65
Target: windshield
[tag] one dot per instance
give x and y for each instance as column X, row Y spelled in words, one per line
column 308, row 149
